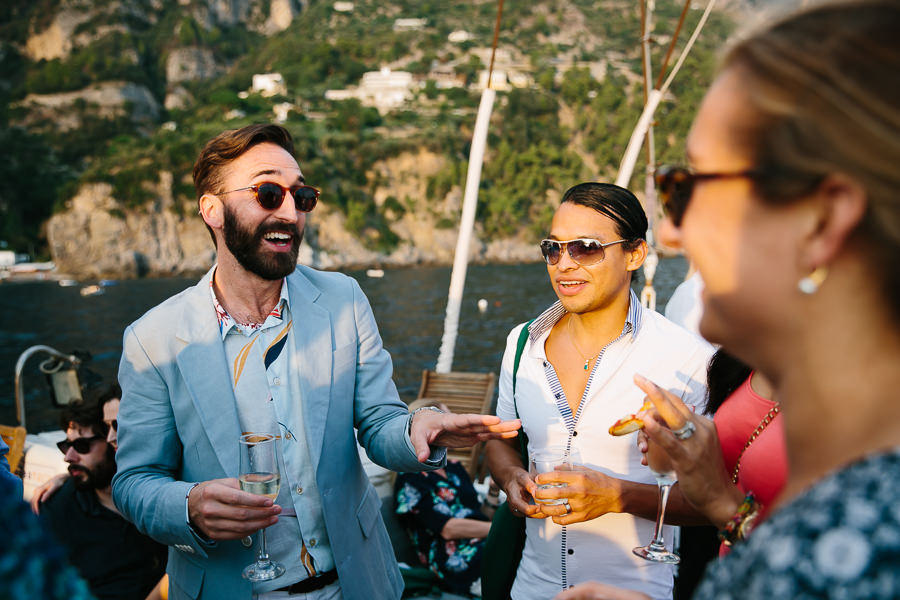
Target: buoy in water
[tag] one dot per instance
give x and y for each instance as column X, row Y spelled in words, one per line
column 375, row 273
column 482, row 305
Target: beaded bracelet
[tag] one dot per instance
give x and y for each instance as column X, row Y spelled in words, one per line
column 742, row 522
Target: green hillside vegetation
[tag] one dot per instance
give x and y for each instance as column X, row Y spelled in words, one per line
column 530, row 151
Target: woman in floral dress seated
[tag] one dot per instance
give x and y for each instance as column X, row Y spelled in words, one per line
column 441, row 513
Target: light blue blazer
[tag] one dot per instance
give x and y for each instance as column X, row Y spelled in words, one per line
column 178, row 424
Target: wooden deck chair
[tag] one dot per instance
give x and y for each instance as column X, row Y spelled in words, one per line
column 462, row 393
column 15, row 439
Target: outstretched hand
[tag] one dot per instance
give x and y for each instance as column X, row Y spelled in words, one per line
column 456, row 431
column 697, row 460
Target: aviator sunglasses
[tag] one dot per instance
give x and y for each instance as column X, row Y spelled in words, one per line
column 270, row 195
column 584, row 251
column 676, row 185
column 82, row 445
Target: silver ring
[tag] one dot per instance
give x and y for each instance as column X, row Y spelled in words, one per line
column 685, row 431
column 568, row 507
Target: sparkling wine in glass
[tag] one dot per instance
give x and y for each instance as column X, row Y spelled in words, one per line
column 260, row 475
column 661, row 465
column 548, row 460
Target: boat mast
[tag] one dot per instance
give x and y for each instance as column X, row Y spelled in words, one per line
column 467, row 222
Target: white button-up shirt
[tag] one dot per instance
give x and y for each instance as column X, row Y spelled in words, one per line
column 556, row 557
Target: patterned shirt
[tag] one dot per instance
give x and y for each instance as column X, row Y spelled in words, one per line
column 425, row 502
column 265, row 374
column 840, row 539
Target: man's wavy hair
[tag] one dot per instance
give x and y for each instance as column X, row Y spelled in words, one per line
column 229, row 145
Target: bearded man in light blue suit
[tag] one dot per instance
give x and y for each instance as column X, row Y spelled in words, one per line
column 260, row 344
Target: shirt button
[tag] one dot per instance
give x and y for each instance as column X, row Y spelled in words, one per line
column 276, row 381
column 299, row 489
column 574, row 434
column 545, row 363
column 247, row 541
column 313, row 542
column 571, row 551
column 289, row 436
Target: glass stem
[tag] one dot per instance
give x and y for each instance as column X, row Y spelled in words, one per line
column 658, row 540
column 263, row 553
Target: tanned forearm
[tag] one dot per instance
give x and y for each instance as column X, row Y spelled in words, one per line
column 503, row 459
column 465, row 529
column 642, row 499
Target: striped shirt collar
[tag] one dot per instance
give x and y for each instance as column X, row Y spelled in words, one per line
column 227, row 322
column 552, row 315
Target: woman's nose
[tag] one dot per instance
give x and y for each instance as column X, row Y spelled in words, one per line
column 669, row 234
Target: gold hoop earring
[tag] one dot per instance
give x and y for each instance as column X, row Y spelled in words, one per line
column 809, row 285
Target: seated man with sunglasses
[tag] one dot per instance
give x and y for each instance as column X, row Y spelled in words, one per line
column 575, row 378
column 262, row 345
column 116, row 560
column 108, row 401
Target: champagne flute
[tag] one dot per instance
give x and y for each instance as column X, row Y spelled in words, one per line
column 260, row 475
column 661, row 465
column 548, row 460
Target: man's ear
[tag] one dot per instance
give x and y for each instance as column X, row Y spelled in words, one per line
column 838, row 206
column 637, row 256
column 212, row 210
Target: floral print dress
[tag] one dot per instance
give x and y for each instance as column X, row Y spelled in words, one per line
column 840, row 540
column 425, row 502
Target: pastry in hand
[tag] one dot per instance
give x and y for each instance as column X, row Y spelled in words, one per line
column 631, row 423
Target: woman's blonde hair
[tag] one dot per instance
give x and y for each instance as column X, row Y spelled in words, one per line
column 824, row 85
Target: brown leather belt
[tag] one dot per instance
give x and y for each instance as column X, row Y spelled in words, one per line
column 312, row 584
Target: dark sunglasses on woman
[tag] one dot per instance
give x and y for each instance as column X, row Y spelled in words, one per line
column 271, row 195
column 584, row 251
column 676, row 185
column 82, row 445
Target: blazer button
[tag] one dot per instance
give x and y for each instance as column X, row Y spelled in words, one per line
column 247, row 541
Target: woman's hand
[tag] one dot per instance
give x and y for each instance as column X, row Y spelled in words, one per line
column 598, row 591
column 47, row 489
column 697, row 459
column 590, row 494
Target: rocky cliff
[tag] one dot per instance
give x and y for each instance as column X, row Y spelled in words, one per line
column 94, row 237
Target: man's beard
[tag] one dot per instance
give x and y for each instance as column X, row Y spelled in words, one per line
column 246, row 247
column 97, row 478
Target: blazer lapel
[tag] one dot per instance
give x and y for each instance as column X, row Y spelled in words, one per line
column 204, row 368
column 313, row 346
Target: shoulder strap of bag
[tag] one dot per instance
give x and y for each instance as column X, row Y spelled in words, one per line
column 520, row 348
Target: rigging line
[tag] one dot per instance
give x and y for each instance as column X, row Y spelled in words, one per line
column 665, row 63
column 626, row 167
column 646, row 16
column 687, row 47
column 494, row 44
column 644, row 43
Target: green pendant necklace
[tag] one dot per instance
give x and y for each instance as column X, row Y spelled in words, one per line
column 587, row 361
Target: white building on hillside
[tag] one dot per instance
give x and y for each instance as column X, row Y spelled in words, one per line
column 345, row 7
column 410, row 24
column 268, row 84
column 459, row 36
column 384, row 89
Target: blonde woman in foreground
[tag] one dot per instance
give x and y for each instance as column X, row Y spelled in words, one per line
column 791, row 212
